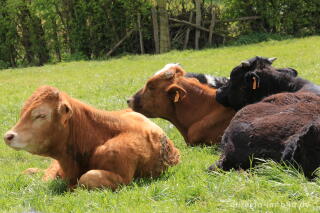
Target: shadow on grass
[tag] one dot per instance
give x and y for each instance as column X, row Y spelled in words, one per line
column 143, row 182
column 280, row 172
column 58, row 187
column 215, row 149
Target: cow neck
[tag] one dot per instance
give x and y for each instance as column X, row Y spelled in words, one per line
column 198, row 102
column 88, row 128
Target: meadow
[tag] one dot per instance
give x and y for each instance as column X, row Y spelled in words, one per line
column 187, row 187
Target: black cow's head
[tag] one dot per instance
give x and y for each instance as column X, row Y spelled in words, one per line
column 251, row 81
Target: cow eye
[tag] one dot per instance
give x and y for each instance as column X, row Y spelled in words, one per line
column 150, row 87
column 40, row 116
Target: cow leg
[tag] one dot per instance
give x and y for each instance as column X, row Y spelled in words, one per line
column 31, row 171
column 51, row 173
column 101, row 179
column 216, row 166
column 236, row 153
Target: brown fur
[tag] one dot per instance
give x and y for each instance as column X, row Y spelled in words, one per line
column 97, row 148
column 185, row 102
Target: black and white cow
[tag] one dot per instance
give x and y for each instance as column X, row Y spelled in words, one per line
column 255, row 79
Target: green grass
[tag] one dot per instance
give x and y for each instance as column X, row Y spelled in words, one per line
column 184, row 188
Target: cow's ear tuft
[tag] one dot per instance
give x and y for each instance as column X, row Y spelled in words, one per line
column 65, row 111
column 176, row 93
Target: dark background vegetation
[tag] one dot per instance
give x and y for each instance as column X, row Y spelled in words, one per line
column 35, row 32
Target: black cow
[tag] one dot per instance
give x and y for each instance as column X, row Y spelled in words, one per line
column 282, row 127
column 255, row 79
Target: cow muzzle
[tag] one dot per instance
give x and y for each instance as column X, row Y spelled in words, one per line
column 11, row 139
column 130, row 102
column 9, row 136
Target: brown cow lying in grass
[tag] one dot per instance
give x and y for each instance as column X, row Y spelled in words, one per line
column 190, row 105
column 92, row 147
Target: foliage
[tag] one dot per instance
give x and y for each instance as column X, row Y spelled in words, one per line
column 257, row 37
column 293, row 17
column 34, row 32
column 42, row 31
column 184, row 188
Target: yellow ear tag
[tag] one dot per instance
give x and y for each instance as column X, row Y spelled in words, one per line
column 254, row 84
column 176, row 98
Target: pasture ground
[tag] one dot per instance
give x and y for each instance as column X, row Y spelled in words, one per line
column 184, row 188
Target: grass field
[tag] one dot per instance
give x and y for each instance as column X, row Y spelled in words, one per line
column 184, row 188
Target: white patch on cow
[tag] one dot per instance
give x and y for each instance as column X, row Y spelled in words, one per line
column 211, row 80
column 166, row 68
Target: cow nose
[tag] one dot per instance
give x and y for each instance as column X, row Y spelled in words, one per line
column 129, row 100
column 9, row 136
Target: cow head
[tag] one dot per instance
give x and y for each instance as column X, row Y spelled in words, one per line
column 251, row 81
column 157, row 97
column 43, row 122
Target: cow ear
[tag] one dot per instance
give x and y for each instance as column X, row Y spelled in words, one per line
column 290, row 71
column 176, row 93
column 179, row 71
column 65, row 111
column 271, row 60
column 253, row 80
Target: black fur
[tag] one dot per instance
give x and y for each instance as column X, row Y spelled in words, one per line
column 282, row 127
column 201, row 77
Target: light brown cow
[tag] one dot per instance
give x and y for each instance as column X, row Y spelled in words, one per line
column 92, row 147
column 185, row 102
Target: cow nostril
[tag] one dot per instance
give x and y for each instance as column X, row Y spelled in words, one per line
column 9, row 136
column 129, row 100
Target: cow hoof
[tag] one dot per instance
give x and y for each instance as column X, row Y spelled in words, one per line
column 215, row 167
column 31, row 171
